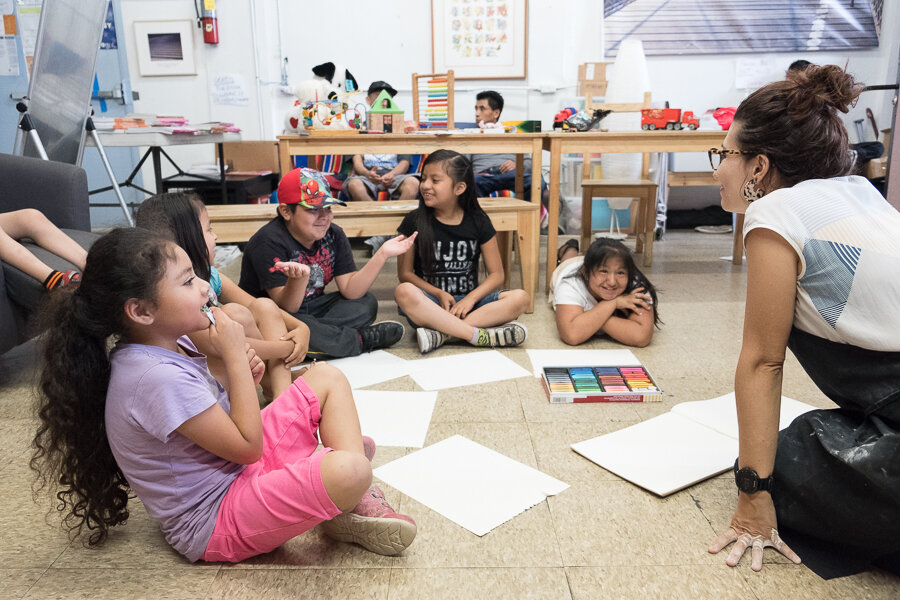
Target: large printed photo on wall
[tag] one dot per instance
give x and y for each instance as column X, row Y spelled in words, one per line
column 678, row 27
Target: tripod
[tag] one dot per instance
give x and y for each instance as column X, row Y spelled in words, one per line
column 27, row 129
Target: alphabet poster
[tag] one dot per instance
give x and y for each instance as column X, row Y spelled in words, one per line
column 480, row 39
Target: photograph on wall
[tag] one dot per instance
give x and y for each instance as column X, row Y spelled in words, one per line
column 480, row 39
column 165, row 47
column 679, row 27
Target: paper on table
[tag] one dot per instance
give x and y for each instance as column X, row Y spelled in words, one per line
column 378, row 412
column 473, row 486
column 690, row 443
column 580, row 358
column 470, row 368
column 370, row 368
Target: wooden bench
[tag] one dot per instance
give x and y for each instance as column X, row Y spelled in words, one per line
column 237, row 222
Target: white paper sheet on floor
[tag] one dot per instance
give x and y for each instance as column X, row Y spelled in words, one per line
column 395, row 418
column 470, row 368
column 692, row 442
column 581, row 358
column 473, row 486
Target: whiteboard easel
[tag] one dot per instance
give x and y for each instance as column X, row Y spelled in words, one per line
column 58, row 114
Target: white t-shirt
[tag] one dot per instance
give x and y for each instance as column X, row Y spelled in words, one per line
column 848, row 239
column 568, row 287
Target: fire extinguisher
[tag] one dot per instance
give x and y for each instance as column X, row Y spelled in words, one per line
column 209, row 23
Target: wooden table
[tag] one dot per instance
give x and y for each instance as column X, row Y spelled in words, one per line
column 420, row 143
column 237, row 222
column 613, row 142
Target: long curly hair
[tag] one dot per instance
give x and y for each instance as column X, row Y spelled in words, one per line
column 71, row 453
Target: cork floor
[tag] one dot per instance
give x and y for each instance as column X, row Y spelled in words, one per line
column 602, row 537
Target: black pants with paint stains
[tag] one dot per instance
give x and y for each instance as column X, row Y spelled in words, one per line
column 837, row 472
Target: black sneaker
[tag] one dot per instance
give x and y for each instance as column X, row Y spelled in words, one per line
column 380, row 335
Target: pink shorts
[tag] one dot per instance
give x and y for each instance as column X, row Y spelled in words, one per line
column 281, row 495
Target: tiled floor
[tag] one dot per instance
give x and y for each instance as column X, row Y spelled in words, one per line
column 601, row 538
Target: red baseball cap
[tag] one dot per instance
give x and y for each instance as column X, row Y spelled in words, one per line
column 296, row 188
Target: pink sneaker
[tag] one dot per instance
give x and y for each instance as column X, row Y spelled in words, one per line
column 374, row 525
column 369, row 447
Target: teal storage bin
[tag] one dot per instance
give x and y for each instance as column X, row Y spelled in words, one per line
column 600, row 216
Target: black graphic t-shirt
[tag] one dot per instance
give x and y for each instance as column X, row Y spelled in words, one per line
column 457, row 249
column 328, row 258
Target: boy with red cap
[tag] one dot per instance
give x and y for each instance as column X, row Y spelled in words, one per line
column 295, row 255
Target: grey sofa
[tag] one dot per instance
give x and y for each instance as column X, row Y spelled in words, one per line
column 60, row 192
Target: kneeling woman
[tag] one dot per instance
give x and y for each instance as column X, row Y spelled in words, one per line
column 823, row 279
column 603, row 292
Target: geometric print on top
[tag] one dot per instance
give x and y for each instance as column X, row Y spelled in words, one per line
column 830, row 268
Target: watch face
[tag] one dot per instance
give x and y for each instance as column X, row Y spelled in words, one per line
column 747, row 480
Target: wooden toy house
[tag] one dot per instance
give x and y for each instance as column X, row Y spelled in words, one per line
column 384, row 116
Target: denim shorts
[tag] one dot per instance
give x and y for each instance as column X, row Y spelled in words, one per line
column 492, row 297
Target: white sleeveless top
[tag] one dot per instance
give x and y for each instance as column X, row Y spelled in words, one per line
column 848, row 239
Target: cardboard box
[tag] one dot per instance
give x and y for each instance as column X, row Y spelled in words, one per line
column 523, row 126
column 250, row 156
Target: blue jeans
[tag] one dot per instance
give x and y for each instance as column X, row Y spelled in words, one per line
column 492, row 297
column 493, row 180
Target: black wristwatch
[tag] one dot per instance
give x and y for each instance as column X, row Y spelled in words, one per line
column 749, row 481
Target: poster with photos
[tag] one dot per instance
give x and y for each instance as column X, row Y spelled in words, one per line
column 480, row 39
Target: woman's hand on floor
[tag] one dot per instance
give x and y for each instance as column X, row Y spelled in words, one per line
column 753, row 525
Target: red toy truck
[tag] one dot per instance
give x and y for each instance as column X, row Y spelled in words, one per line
column 668, row 118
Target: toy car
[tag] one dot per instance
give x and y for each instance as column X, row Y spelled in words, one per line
column 668, row 118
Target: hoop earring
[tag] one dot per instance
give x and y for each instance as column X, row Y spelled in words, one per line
column 751, row 192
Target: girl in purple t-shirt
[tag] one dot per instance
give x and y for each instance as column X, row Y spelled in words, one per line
column 225, row 480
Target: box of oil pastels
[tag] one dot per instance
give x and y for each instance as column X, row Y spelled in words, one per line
column 599, row 384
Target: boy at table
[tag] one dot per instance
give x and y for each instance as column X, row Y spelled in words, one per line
column 374, row 173
column 494, row 172
column 295, row 255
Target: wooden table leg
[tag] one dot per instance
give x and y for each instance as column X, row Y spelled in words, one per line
column 504, row 241
column 587, row 206
column 552, row 226
column 529, row 241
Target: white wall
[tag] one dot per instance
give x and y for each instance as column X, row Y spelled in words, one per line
column 394, row 41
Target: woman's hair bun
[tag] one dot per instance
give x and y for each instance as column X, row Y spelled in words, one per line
column 818, row 88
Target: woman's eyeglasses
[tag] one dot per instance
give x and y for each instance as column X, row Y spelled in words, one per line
column 717, row 155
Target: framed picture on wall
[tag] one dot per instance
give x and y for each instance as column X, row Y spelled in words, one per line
column 480, row 39
column 165, row 47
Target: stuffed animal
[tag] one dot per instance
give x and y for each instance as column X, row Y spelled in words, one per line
column 331, row 82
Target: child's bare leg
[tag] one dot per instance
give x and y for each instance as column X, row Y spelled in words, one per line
column 32, row 223
column 268, row 319
column 346, row 472
column 509, row 306
column 426, row 313
column 18, row 256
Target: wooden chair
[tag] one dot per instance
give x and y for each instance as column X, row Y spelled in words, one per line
column 644, row 189
column 436, row 102
column 592, row 83
column 705, row 178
